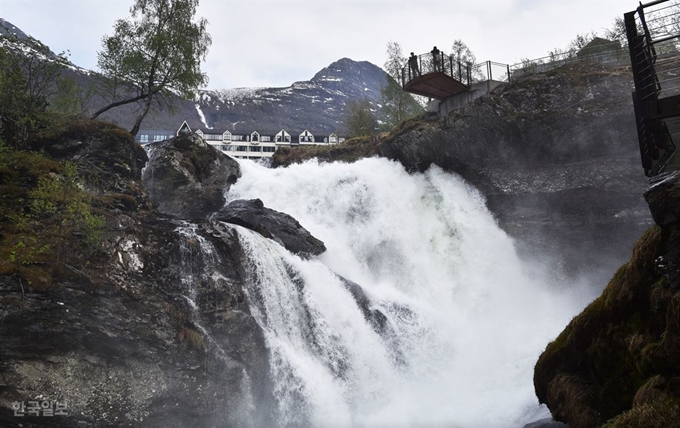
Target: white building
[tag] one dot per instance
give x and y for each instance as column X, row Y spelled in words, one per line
column 255, row 144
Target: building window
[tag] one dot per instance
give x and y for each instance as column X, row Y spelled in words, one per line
column 254, row 136
column 269, row 149
column 306, row 137
column 237, row 137
column 241, row 148
column 265, row 138
column 255, row 148
column 144, row 138
column 227, row 148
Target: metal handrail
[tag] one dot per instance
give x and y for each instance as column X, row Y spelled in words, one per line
column 439, row 62
column 606, row 53
column 434, row 62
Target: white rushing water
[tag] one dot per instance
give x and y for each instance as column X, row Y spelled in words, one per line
column 464, row 325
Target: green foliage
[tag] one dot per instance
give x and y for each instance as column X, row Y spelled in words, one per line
column 68, row 97
column 461, row 54
column 398, row 105
column 618, row 360
column 617, row 32
column 359, row 119
column 26, row 83
column 395, row 60
column 158, row 52
column 45, row 216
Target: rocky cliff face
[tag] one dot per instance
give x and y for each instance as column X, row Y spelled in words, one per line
column 556, row 156
column 617, row 363
column 148, row 326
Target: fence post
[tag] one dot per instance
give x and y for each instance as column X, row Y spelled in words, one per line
column 490, row 72
column 508, row 65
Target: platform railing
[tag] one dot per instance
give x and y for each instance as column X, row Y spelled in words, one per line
column 435, row 62
column 653, row 34
column 654, row 31
column 464, row 72
column 604, row 53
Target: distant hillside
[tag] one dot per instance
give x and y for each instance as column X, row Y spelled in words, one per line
column 317, row 104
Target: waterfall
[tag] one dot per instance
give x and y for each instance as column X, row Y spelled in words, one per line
column 461, row 320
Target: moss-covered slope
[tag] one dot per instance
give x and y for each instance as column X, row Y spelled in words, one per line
column 617, row 364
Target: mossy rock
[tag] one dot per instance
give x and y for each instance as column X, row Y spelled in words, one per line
column 599, row 365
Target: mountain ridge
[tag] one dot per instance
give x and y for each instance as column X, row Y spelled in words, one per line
column 317, row 104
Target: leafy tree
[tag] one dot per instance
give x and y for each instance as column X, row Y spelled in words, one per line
column 27, row 81
column 68, row 97
column 359, row 119
column 158, row 52
column 581, row 40
column 398, row 105
column 461, row 53
column 617, row 32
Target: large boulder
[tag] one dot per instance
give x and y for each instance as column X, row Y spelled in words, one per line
column 275, row 225
column 187, row 177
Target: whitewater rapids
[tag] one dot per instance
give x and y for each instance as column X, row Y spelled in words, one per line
column 466, row 319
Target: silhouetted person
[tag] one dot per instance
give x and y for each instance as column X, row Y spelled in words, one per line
column 413, row 63
column 435, row 58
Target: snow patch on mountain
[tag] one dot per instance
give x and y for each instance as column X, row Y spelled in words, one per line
column 202, row 116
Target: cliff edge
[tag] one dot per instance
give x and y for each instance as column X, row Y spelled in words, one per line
column 556, row 156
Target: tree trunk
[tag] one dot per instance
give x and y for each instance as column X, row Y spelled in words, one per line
column 142, row 115
column 118, row 103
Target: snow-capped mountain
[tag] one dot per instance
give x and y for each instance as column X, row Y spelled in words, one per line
column 317, row 104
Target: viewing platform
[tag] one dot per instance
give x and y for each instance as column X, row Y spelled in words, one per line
column 653, row 39
column 452, row 84
column 435, row 75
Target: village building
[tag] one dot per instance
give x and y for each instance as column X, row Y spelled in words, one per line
column 245, row 144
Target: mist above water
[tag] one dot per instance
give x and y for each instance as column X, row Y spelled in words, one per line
column 464, row 318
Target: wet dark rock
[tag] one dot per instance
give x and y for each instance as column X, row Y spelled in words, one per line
column 187, row 177
column 619, row 360
column 149, row 328
column 275, row 225
column 663, row 198
column 556, row 157
column 372, row 314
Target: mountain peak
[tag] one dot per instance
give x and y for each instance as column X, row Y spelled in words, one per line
column 9, row 29
column 346, row 67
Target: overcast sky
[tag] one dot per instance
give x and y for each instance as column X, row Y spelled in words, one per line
column 275, row 43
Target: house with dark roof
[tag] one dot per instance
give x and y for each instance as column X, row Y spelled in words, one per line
column 251, row 144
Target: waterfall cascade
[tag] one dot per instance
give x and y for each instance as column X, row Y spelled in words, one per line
column 459, row 323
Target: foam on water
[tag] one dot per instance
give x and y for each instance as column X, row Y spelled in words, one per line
column 465, row 322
